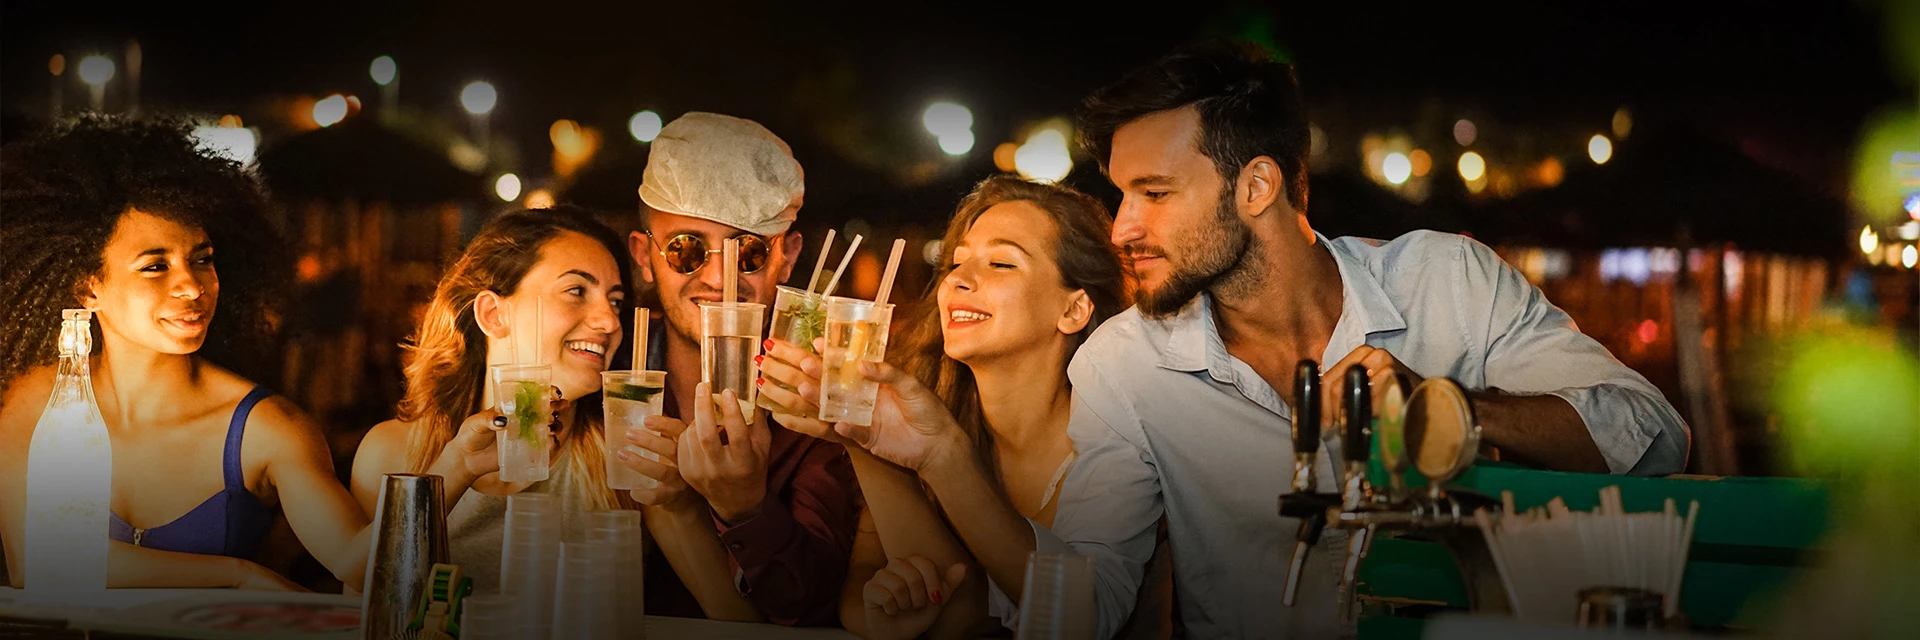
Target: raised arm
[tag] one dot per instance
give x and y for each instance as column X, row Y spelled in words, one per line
column 1562, row 397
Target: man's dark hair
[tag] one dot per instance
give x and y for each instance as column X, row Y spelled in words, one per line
column 1249, row 107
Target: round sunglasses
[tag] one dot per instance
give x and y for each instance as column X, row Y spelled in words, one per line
column 687, row 253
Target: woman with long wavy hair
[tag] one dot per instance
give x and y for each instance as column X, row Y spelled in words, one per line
column 1027, row 276
column 576, row 269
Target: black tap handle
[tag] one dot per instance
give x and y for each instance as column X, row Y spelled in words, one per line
column 1306, row 407
column 1359, row 405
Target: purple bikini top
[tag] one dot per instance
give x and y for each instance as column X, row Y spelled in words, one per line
column 231, row 523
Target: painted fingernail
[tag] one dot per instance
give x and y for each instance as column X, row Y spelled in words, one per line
column 766, row 344
column 757, row 359
column 759, row 382
column 936, row 597
column 499, row 421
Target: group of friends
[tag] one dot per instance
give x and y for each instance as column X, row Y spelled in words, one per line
column 1077, row 380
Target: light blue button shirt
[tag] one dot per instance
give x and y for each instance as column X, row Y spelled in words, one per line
column 1166, row 421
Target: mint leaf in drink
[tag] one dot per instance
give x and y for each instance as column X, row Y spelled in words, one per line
column 634, row 392
column 526, row 398
column 809, row 323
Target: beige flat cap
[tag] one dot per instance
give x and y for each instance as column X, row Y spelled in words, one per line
column 725, row 169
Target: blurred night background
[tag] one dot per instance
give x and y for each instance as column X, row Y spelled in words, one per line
column 1688, row 180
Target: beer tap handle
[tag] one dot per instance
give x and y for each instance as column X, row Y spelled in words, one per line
column 1356, row 440
column 1306, row 424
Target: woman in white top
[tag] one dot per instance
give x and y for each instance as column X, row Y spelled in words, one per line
column 575, row 267
column 1027, row 277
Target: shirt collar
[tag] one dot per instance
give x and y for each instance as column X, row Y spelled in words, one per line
column 1193, row 339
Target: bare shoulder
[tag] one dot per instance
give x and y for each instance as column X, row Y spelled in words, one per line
column 384, row 447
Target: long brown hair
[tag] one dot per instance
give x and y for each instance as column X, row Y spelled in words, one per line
column 447, row 357
column 1087, row 262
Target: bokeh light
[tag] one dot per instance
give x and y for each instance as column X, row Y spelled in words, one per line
column 1600, row 149
column 1465, row 133
column 1422, row 163
column 383, row 70
column 1472, row 167
column 944, row 119
column 1622, row 123
column 478, row 98
column 957, row 143
column 1044, row 157
column 330, row 110
column 645, row 125
column 1909, row 256
column 540, row 199
column 1869, row 241
column 507, row 187
column 1396, row 167
column 96, row 70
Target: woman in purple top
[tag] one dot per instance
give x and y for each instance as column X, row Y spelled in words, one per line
column 124, row 218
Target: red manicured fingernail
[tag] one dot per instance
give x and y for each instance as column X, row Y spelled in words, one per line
column 759, row 382
column 757, row 359
column 766, row 344
column 936, row 597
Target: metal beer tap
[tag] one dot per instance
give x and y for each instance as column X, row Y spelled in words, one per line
column 1304, row 502
column 1433, row 425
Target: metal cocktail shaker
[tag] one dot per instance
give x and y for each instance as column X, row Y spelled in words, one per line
column 410, row 535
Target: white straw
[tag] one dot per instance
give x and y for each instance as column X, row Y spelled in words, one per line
column 842, row 269
column 639, row 338
column 1686, row 549
column 893, row 267
column 821, row 262
column 1500, row 560
column 538, row 328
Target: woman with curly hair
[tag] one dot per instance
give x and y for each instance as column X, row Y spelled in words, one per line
column 125, row 218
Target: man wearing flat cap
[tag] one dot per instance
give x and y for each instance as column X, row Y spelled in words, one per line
column 756, row 521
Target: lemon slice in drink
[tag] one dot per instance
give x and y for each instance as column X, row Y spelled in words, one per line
column 857, row 338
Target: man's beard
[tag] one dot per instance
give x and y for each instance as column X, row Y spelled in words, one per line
column 1210, row 252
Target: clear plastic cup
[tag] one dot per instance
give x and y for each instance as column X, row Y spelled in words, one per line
column 529, row 558
column 627, row 399
column 856, row 333
column 524, row 393
column 1058, row 600
column 586, row 601
column 798, row 318
column 489, row 617
column 730, row 335
column 622, row 529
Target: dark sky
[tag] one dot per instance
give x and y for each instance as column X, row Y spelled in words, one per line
column 1795, row 79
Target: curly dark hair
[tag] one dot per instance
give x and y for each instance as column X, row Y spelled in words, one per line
column 64, row 191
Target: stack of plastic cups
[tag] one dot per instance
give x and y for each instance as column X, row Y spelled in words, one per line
column 1058, row 599
column 529, row 560
column 586, row 603
column 490, row 617
column 621, row 528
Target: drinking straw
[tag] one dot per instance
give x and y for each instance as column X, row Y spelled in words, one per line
column 1500, row 560
column 1686, row 549
column 639, row 338
column 513, row 330
column 842, row 269
column 893, row 266
column 538, row 329
column 730, row 260
column 821, row 262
